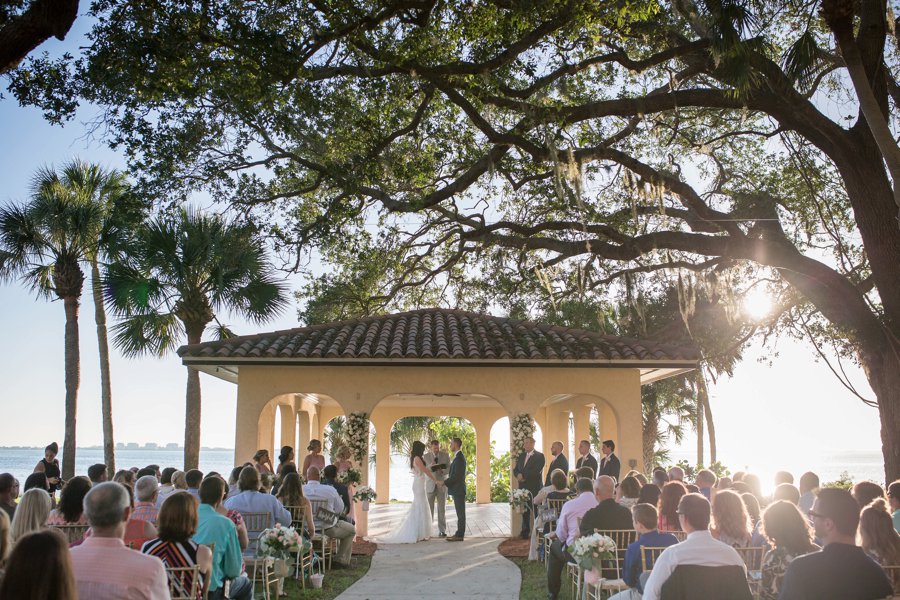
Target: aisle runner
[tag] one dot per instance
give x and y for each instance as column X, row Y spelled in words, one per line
column 438, row 570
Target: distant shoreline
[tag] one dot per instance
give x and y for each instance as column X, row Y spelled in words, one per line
column 138, row 449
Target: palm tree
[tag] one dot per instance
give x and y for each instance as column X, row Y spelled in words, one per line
column 179, row 272
column 408, row 430
column 43, row 243
column 91, row 183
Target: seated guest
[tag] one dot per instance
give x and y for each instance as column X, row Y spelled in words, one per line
column 706, row 480
column 783, row 477
column 39, row 568
column 649, row 494
column 153, row 471
column 877, row 535
column 173, row 544
column 893, row 493
column 125, row 477
column 753, row 508
column 329, row 477
column 841, row 569
column 178, row 481
column 738, row 476
column 809, row 483
column 786, row 491
column 566, row 532
column 5, row 540
column 660, row 477
column 146, row 490
column 250, row 499
column 98, row 473
column 692, row 489
column 37, row 481
column 233, row 489
column 754, row 486
column 668, row 505
column 608, row 514
column 266, row 482
column 137, row 531
column 32, row 514
column 866, row 491
column 699, row 548
column 9, row 492
column 70, row 510
column 724, row 483
column 676, row 474
column 788, row 535
column 214, row 528
column 285, row 471
column 165, row 485
column 557, row 489
column 234, row 516
column 342, row 530
column 291, row 494
column 193, row 478
column 742, row 488
column 644, row 518
column 628, row 492
column 104, row 567
column 731, row 523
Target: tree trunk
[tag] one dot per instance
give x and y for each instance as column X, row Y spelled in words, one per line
column 25, row 32
column 72, row 366
column 109, row 446
column 703, row 397
column 883, row 372
column 699, row 429
column 192, row 406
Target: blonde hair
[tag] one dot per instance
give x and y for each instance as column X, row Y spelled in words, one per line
column 730, row 516
column 31, row 514
column 877, row 534
column 5, row 541
column 178, row 480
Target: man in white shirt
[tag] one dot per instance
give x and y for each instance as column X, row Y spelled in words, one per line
column 566, row 532
column 342, row 531
column 700, row 548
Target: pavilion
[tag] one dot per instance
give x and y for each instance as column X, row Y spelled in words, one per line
column 437, row 362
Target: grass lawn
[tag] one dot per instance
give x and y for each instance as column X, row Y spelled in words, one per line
column 534, row 581
column 335, row 582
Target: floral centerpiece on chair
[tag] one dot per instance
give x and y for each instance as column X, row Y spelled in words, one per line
column 365, row 494
column 350, row 477
column 279, row 543
column 520, row 499
column 590, row 551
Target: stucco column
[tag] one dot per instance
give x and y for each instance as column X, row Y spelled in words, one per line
column 265, row 433
column 288, row 432
column 608, row 424
column 382, row 458
column 629, row 437
column 482, row 461
column 582, row 416
column 305, row 423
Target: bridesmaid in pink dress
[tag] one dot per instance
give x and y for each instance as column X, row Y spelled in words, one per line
column 314, row 458
column 344, row 463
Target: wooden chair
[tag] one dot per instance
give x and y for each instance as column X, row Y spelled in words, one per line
column 649, row 554
column 256, row 523
column 74, row 533
column 554, row 508
column 303, row 559
column 184, row 582
column 322, row 543
column 753, row 560
column 893, row 573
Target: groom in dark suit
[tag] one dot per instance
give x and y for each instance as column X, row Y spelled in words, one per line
column 529, row 472
column 456, row 488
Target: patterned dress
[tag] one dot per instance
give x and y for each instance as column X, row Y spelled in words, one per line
column 175, row 555
column 775, row 565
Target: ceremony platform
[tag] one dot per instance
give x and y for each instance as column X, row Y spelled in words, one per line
column 482, row 520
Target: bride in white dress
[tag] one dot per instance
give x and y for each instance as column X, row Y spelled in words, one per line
column 416, row 525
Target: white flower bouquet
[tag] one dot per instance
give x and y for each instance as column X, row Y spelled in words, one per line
column 520, row 499
column 522, row 426
column 280, row 541
column 358, row 436
column 365, row 494
column 590, row 551
column 350, row 477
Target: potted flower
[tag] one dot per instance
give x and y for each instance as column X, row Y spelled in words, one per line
column 365, row 494
column 590, row 551
column 278, row 543
column 520, row 499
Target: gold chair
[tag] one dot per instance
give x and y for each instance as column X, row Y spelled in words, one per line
column 321, row 542
column 649, row 554
column 753, row 559
column 208, row 578
column 74, row 533
column 679, row 535
column 256, row 523
column 622, row 538
column 893, row 573
column 184, row 582
column 303, row 559
column 554, row 508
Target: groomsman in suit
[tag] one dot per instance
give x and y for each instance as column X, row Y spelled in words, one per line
column 529, row 473
column 437, row 492
column 456, row 487
column 559, row 462
column 586, row 459
column 609, row 464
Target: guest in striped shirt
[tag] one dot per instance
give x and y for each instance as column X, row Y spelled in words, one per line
column 145, row 491
column 174, row 546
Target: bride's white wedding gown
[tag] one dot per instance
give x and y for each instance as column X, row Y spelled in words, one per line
column 416, row 525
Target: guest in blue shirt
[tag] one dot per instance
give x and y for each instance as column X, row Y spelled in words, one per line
column 213, row 528
column 706, row 481
column 250, row 499
column 645, row 519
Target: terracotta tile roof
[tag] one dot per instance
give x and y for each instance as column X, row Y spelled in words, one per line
column 435, row 334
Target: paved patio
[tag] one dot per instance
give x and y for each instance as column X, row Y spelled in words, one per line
column 438, row 570
column 482, row 520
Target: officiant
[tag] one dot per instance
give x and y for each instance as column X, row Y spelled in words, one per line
column 438, row 461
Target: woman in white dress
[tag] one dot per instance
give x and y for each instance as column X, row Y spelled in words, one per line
column 416, row 525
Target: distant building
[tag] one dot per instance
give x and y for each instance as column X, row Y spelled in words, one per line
column 132, row 446
column 120, row 446
column 172, row 446
column 151, row 446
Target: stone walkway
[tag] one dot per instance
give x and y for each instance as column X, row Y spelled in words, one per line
column 482, row 520
column 438, row 570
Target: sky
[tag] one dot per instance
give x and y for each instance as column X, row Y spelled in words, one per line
column 790, row 409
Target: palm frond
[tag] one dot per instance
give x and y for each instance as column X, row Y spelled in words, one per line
column 151, row 333
column 803, row 60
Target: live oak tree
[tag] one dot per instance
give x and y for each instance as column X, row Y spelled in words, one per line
column 558, row 139
column 25, row 25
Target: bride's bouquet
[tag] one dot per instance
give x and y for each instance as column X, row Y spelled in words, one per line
column 280, row 541
column 350, row 477
column 590, row 551
column 520, row 499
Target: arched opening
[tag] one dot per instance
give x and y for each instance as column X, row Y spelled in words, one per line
column 575, row 417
